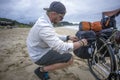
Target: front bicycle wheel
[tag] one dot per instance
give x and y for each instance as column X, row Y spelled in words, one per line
column 102, row 62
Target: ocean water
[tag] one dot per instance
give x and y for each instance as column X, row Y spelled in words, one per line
column 76, row 27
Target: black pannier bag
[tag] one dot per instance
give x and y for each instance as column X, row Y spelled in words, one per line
column 108, row 22
column 89, row 35
column 105, row 33
column 117, row 37
column 84, row 52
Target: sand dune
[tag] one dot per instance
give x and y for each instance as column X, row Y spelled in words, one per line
column 15, row 63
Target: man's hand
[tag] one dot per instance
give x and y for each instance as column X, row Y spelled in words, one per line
column 73, row 38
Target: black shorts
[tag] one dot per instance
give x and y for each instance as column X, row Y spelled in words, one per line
column 53, row 57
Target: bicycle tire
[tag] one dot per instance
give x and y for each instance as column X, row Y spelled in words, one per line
column 99, row 60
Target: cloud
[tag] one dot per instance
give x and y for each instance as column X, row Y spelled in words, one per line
column 30, row 10
column 89, row 9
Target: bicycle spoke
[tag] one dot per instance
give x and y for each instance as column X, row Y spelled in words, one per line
column 103, row 60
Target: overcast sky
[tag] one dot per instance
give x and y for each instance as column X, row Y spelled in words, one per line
column 77, row 10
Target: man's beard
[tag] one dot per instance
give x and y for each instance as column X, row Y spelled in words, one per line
column 55, row 23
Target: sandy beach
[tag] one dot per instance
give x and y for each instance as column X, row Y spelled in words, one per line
column 15, row 63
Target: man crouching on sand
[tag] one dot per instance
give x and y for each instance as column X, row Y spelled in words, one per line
column 46, row 47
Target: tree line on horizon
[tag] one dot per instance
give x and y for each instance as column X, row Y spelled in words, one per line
column 10, row 22
column 30, row 24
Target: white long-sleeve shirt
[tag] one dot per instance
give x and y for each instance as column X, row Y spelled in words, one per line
column 42, row 38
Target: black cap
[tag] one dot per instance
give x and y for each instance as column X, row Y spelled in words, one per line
column 57, row 7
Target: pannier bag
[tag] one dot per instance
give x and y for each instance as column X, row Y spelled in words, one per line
column 105, row 33
column 108, row 22
column 117, row 37
column 85, row 51
column 89, row 35
column 102, row 50
column 105, row 23
column 86, row 26
column 96, row 26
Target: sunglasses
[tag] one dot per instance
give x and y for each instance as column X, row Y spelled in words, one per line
column 61, row 16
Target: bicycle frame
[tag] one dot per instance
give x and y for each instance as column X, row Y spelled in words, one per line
column 116, row 48
column 114, row 51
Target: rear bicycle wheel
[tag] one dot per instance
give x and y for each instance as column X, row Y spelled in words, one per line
column 102, row 62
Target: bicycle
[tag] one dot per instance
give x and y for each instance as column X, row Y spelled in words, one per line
column 104, row 54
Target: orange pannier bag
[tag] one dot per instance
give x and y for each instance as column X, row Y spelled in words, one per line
column 86, row 26
column 96, row 26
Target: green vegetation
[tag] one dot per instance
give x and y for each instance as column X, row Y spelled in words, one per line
column 22, row 25
column 64, row 23
column 16, row 23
